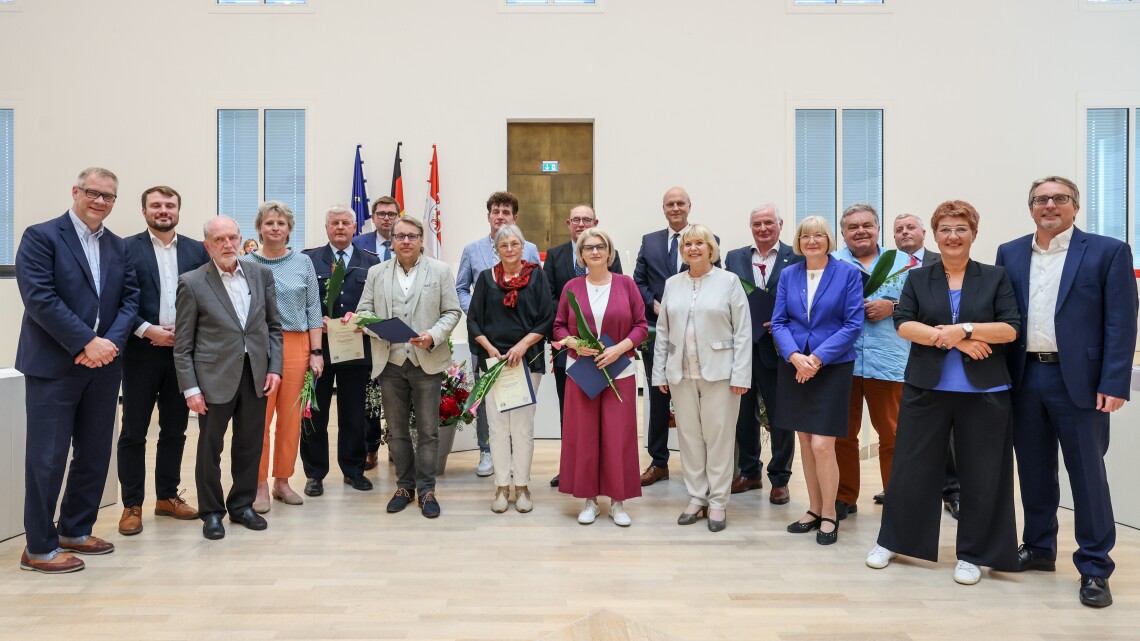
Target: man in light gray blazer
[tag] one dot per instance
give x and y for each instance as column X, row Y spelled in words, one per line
column 421, row 292
column 227, row 354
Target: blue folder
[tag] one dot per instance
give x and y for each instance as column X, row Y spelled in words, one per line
column 393, row 330
column 589, row 378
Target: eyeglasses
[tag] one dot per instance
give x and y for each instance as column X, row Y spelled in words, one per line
column 386, row 214
column 581, row 222
column 947, row 232
column 515, row 245
column 95, row 194
column 589, row 249
column 1059, row 199
column 817, row 237
column 402, row 237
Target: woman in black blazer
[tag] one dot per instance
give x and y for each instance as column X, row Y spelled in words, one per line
column 958, row 315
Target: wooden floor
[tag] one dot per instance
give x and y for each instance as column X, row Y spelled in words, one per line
column 340, row 567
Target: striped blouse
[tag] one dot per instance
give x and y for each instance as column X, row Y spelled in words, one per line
column 298, row 295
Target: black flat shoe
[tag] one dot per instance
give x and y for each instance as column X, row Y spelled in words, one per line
column 827, row 538
column 554, row 481
column 212, row 527
column 951, row 506
column 358, row 482
column 250, row 519
column 314, row 487
column 1027, row 560
column 880, row 497
column 689, row 519
column 803, row 528
column 1094, row 591
column 842, row 509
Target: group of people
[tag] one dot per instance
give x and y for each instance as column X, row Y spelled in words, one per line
column 806, row 334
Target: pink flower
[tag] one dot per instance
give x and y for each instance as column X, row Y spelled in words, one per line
column 308, row 411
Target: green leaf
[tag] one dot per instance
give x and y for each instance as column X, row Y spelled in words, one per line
column 879, row 273
column 585, row 336
column 748, row 285
column 333, row 287
column 484, row 385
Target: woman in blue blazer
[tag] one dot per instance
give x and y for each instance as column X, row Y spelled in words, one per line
column 817, row 319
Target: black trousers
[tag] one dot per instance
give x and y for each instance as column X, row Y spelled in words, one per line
column 247, row 410
column 350, row 379
column 148, row 382
column 748, row 429
column 657, row 440
column 981, row 428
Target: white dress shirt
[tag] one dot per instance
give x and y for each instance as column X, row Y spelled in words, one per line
column 768, row 260
column 238, row 289
column 167, row 257
column 1045, row 267
column 89, row 241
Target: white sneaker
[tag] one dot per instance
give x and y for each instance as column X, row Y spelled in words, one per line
column 967, row 573
column 619, row 515
column 879, row 557
column 589, row 512
column 486, row 467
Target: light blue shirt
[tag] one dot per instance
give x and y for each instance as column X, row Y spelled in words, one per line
column 880, row 353
column 478, row 256
column 89, row 241
column 298, row 294
column 347, row 253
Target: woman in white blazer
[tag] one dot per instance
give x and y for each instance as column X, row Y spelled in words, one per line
column 703, row 358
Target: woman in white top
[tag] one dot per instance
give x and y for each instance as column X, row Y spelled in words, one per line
column 707, row 376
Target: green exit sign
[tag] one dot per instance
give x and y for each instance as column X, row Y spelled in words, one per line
column 550, row 166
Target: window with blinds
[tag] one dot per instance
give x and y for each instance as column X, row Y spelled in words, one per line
column 838, row 161
column 7, row 209
column 1106, row 180
column 255, row 166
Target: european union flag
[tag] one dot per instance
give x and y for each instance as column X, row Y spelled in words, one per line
column 359, row 194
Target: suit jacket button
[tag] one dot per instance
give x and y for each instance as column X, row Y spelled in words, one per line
column 242, row 357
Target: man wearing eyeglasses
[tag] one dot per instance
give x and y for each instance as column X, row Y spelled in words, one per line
column 1071, row 368
column 479, row 255
column 421, row 292
column 561, row 268
column 80, row 302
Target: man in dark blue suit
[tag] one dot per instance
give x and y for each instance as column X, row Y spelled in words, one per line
column 80, row 302
column 350, row 377
column 657, row 260
column 761, row 263
column 1071, row 367
column 158, row 256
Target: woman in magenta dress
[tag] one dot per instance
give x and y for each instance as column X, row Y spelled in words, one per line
column 599, row 436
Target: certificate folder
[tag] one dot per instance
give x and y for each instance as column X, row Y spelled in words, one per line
column 760, row 306
column 589, row 377
column 393, row 330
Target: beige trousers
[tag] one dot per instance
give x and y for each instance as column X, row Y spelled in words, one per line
column 511, row 435
column 706, row 429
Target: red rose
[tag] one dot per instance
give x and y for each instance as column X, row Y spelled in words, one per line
column 448, row 408
column 461, row 395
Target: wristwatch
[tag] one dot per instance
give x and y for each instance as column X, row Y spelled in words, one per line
column 969, row 328
column 317, row 352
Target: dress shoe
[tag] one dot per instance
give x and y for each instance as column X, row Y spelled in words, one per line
column 1027, row 559
column 250, row 519
column 288, row 497
column 880, row 497
column 554, row 481
column 652, row 474
column 93, row 545
column 358, row 483
column 842, row 509
column 314, row 487
column 429, row 507
column 743, row 484
column 212, row 527
column 176, row 507
column 967, row 573
column 689, row 519
column 951, row 506
column 522, row 499
column 1095, row 592
column 370, row 461
column 827, row 538
column 717, row 526
column 131, row 521
column 61, row 564
column 399, row 500
column 779, row 496
column 803, row 527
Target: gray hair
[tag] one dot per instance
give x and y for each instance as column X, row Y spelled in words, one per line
column 1061, row 180
column 339, row 209
column 765, row 207
column 507, row 230
column 415, row 222
column 96, row 171
column 206, row 226
column 916, row 218
column 855, row 208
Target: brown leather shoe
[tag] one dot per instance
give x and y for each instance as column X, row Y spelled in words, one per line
column 370, row 460
column 131, row 521
column 61, row 564
column 744, row 484
column 93, row 545
column 652, row 474
column 779, row 496
column 176, row 507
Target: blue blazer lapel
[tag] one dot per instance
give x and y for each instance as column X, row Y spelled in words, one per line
column 783, row 256
column 150, row 262
column 1073, row 257
column 824, row 281
column 71, row 239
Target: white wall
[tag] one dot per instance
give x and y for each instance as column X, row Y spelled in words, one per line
column 980, row 97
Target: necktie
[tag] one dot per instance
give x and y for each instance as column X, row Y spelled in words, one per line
column 673, row 254
column 387, row 249
column 340, row 256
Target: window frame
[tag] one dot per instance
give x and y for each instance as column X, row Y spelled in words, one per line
column 550, row 7
column 11, row 5
column 1131, row 102
column 1086, row 5
column 839, row 106
column 214, row 7
column 839, row 7
column 15, row 240
column 297, row 242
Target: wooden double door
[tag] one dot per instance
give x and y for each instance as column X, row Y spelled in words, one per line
column 545, row 198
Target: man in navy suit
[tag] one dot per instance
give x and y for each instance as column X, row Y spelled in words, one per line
column 80, row 302
column 350, row 377
column 761, row 263
column 1071, row 368
column 657, row 260
column 158, row 255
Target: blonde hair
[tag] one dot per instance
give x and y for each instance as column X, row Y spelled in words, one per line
column 593, row 232
column 813, row 225
column 705, row 234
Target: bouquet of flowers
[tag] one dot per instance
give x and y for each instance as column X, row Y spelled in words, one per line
column 308, row 401
column 454, row 394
